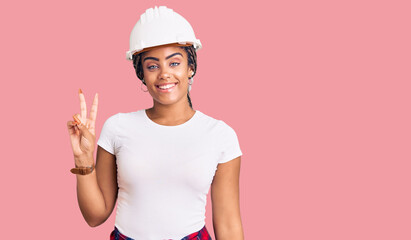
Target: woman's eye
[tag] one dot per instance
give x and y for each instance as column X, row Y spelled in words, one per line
column 151, row 67
column 175, row 64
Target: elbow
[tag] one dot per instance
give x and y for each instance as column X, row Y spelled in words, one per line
column 94, row 219
column 94, row 223
column 229, row 230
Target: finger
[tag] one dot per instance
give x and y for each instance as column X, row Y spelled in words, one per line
column 90, row 128
column 93, row 114
column 84, row 130
column 70, row 124
column 70, row 127
column 76, row 118
column 73, row 132
column 83, row 107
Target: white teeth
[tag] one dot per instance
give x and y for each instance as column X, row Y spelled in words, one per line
column 167, row 86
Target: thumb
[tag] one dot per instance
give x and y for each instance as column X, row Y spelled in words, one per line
column 84, row 131
column 87, row 139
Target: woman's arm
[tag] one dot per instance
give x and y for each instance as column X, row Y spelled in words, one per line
column 97, row 192
column 226, row 202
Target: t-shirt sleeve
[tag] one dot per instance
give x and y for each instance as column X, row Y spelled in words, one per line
column 229, row 146
column 107, row 139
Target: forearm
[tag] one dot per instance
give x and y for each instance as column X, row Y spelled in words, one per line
column 91, row 199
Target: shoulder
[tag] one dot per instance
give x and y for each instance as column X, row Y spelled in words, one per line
column 111, row 119
column 124, row 116
column 115, row 121
column 219, row 125
column 208, row 121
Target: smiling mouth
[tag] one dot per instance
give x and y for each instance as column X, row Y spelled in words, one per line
column 166, row 86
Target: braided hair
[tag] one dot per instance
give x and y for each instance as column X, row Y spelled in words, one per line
column 192, row 61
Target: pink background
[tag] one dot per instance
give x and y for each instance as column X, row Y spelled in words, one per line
column 317, row 91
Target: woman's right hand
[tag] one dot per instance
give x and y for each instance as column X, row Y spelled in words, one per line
column 82, row 136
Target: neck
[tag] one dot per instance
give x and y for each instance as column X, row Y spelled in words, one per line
column 170, row 114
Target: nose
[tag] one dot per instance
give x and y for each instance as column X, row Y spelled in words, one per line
column 164, row 74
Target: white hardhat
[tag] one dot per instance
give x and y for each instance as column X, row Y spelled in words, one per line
column 160, row 26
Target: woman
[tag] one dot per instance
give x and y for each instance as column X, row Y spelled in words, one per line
column 159, row 163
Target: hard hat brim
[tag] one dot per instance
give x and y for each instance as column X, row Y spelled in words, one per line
column 164, row 45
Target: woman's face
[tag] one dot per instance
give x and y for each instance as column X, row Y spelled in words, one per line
column 166, row 73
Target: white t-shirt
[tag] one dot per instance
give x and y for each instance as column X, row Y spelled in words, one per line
column 164, row 173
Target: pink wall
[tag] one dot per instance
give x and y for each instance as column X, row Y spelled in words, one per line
column 317, row 91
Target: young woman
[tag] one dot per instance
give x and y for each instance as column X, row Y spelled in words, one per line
column 159, row 163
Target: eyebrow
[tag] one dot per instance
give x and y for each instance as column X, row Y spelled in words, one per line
column 156, row 59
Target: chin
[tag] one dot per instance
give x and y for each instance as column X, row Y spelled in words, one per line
column 169, row 101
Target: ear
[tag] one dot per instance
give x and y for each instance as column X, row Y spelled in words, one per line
column 190, row 71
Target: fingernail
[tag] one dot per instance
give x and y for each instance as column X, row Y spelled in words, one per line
column 79, row 90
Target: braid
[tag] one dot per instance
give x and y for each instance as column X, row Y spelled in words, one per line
column 191, row 59
column 138, row 66
column 189, row 100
